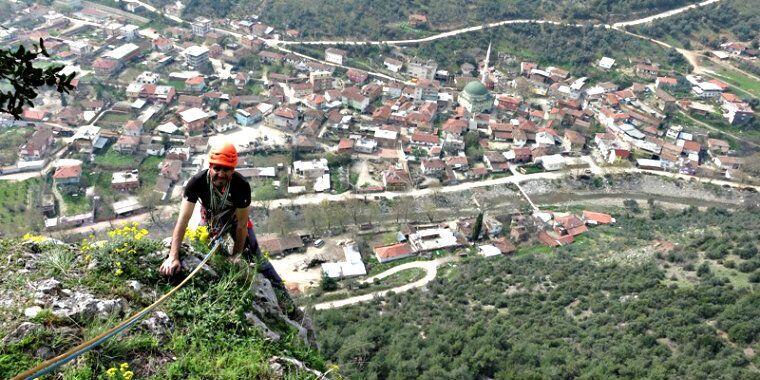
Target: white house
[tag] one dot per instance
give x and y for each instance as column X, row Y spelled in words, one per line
column 606, row 63
column 335, row 56
column 552, row 162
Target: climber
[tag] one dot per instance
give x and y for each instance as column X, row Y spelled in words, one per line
column 225, row 197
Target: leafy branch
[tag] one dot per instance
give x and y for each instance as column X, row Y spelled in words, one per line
column 17, row 69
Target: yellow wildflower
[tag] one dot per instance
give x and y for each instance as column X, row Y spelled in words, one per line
column 111, row 372
column 128, row 375
column 118, row 272
column 124, row 367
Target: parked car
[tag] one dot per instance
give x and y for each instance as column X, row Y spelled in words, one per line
column 319, row 243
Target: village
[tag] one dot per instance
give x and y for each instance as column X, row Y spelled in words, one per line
column 149, row 101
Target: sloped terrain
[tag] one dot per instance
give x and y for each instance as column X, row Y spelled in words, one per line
column 226, row 323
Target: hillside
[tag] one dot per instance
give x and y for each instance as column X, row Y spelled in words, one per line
column 389, row 19
column 709, row 26
column 226, row 323
column 662, row 294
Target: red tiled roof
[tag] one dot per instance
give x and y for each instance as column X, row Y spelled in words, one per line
column 598, row 217
column 194, row 81
column 286, row 112
column 425, row 138
column 345, row 144
column 70, row 171
column 393, row 251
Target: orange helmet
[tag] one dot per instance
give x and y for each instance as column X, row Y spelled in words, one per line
column 223, row 154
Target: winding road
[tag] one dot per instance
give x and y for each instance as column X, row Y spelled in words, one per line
column 430, row 267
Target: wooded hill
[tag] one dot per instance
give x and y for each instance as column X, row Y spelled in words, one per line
column 612, row 306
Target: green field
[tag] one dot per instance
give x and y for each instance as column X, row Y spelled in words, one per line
column 76, row 204
column 740, row 80
column 149, row 171
column 116, row 160
column 14, row 201
column 114, row 118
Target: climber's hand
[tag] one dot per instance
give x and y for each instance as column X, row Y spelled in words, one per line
column 170, row 266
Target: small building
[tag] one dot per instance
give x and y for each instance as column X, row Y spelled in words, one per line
column 433, row 239
column 125, row 181
column 552, row 163
column 277, row 245
column 194, row 119
column 286, row 118
column 595, row 218
column 248, row 116
column 396, row 179
column 351, row 266
column 393, row 252
column 606, row 63
column 68, row 175
column 38, row 145
column 336, row 56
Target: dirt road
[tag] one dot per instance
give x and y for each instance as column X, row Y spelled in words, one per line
column 431, row 267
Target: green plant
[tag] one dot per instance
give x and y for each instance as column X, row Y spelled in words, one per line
column 17, row 69
column 57, row 260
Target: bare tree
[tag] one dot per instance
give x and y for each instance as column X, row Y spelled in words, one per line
column 313, row 216
column 430, row 210
column 150, row 200
column 278, row 221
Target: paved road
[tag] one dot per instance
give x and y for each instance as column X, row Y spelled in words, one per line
column 311, row 199
column 470, row 29
column 431, row 267
column 662, row 15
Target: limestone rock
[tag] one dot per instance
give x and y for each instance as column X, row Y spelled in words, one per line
column 44, row 353
column 254, row 320
column 49, row 286
column 22, row 331
column 85, row 306
column 31, row 312
column 158, row 324
column 134, row 285
column 108, row 307
column 267, row 306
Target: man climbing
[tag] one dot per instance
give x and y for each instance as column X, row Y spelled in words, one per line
column 225, row 198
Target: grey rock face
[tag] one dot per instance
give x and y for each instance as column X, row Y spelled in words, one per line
column 49, row 286
column 158, row 324
column 85, row 306
column 267, row 306
column 22, row 331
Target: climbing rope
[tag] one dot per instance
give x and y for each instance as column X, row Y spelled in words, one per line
column 51, row 364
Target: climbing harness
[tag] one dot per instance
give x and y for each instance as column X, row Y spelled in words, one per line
column 49, row 365
column 215, row 211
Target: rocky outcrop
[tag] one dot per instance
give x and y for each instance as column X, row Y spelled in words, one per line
column 268, row 307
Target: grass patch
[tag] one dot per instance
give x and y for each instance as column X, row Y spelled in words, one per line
column 114, row 118
column 739, row 79
column 115, row 160
column 76, row 204
column 530, row 169
column 401, row 278
column 15, row 199
column 149, row 170
column 737, row 278
column 374, row 267
column 534, row 250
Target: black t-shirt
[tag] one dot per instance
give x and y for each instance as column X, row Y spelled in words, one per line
column 239, row 196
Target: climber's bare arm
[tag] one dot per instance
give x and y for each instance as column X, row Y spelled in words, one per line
column 172, row 263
